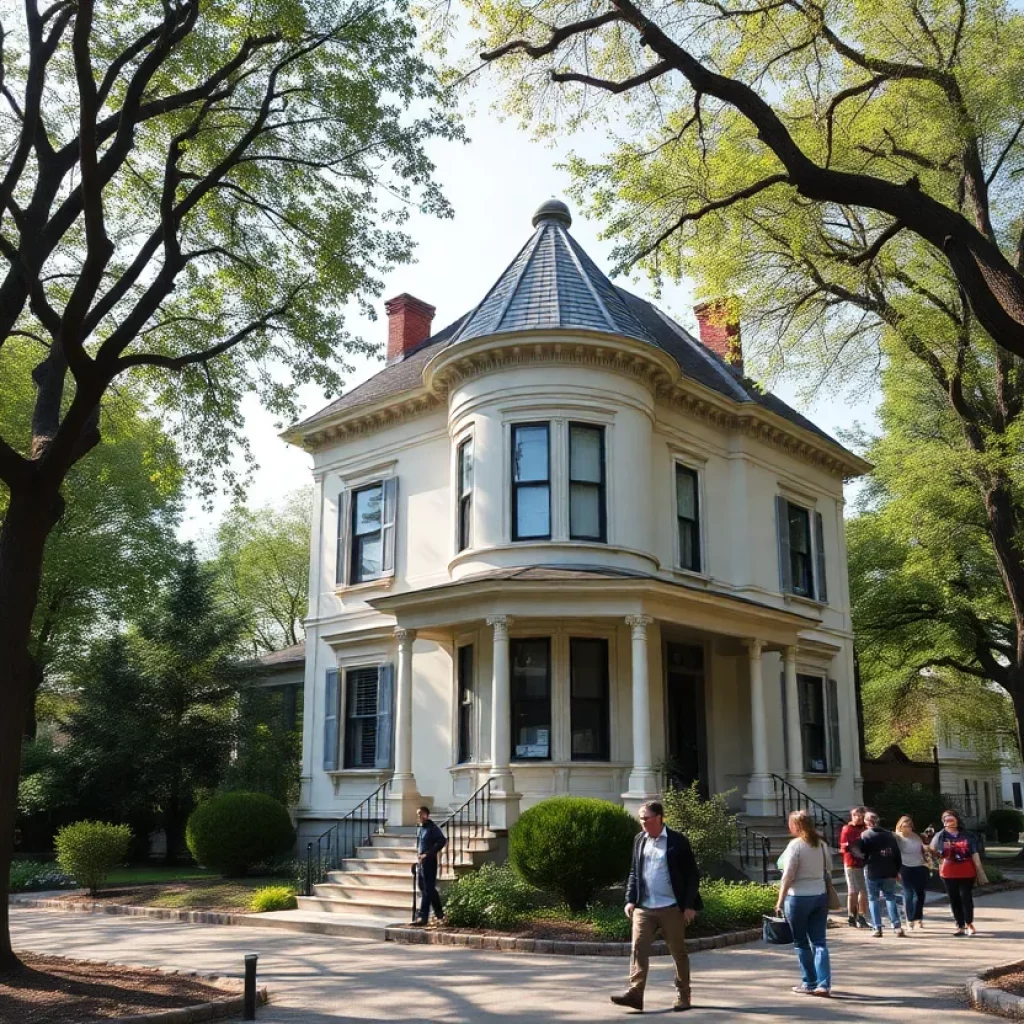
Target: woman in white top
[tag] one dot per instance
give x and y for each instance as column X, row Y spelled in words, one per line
column 804, row 864
column 914, row 872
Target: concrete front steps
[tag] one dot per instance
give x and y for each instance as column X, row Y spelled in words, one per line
column 377, row 883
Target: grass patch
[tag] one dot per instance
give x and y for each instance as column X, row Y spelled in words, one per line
column 229, row 894
column 146, row 874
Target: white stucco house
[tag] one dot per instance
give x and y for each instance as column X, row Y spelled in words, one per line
column 562, row 546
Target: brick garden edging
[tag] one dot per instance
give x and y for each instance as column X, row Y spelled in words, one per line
column 509, row 943
column 126, row 910
column 990, row 999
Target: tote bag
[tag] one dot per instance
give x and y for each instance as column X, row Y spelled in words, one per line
column 776, row 930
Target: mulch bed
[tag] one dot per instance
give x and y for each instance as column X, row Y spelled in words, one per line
column 215, row 894
column 54, row 990
column 1009, row 980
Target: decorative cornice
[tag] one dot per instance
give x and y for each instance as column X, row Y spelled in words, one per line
column 652, row 367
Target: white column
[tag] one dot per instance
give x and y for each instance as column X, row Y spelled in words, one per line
column 794, row 739
column 759, row 795
column 403, row 797
column 643, row 780
column 504, row 806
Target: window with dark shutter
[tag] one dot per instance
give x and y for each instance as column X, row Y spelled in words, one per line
column 588, row 699
column 465, row 493
column 820, row 589
column 331, row 721
column 367, row 557
column 688, row 518
column 361, row 706
column 800, row 550
column 531, row 698
column 835, row 754
column 531, row 481
column 812, row 723
column 467, row 704
column 587, row 515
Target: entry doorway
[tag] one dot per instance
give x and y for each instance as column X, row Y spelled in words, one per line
column 687, row 729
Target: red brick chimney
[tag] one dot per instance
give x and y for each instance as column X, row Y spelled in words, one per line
column 409, row 321
column 720, row 329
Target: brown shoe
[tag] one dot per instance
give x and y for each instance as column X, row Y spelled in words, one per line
column 634, row 1000
column 680, row 1005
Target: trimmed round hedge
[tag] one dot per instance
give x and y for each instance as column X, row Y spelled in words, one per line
column 573, row 846
column 232, row 832
column 90, row 850
column 1007, row 823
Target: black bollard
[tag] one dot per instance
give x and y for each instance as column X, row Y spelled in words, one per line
column 249, row 1008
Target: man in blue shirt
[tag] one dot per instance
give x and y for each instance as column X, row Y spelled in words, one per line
column 430, row 841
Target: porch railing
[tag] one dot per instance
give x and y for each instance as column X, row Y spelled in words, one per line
column 788, row 798
column 470, row 821
column 356, row 828
column 754, row 850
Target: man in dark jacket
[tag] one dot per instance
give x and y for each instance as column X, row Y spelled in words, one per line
column 430, row 841
column 882, row 863
column 661, row 894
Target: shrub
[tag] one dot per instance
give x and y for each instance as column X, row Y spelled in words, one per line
column 272, row 897
column 993, row 873
column 611, row 924
column 1007, row 823
column 234, row 831
column 89, row 850
column 921, row 803
column 38, row 876
column 709, row 824
column 730, row 906
column 573, row 847
column 492, row 897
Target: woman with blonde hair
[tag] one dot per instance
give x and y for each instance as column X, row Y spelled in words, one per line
column 913, row 871
column 804, row 898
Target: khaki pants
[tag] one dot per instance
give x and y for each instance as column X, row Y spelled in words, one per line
column 645, row 925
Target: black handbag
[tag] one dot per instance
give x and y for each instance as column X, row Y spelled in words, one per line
column 776, row 930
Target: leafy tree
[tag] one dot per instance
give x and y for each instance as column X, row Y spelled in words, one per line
column 193, row 193
column 851, row 173
column 115, row 541
column 263, row 560
column 152, row 727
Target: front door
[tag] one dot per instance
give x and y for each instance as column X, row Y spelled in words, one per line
column 687, row 734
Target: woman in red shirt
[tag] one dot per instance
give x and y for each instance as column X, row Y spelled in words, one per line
column 960, row 867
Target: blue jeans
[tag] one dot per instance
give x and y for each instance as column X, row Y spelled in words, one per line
column 877, row 887
column 808, row 917
column 914, row 881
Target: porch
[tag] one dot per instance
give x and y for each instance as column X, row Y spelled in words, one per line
column 602, row 683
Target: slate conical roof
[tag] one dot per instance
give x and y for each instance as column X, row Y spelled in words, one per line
column 552, row 284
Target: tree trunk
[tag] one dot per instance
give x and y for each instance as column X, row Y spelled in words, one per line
column 31, row 515
column 172, row 825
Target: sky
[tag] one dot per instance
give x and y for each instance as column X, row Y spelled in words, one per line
column 495, row 184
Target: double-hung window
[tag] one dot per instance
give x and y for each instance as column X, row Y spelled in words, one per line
column 467, row 705
column 589, row 711
column 531, row 481
column 465, row 490
column 366, row 532
column 368, row 717
column 819, row 724
column 587, row 515
column 688, row 518
column 531, row 698
column 801, row 550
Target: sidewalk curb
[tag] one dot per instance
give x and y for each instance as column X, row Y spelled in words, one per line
column 990, row 999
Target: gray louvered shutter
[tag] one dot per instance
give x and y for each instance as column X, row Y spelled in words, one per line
column 331, row 721
column 385, row 715
column 344, row 537
column 785, row 723
column 820, row 589
column 387, row 526
column 835, row 754
column 782, row 529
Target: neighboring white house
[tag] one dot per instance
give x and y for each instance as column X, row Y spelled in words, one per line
column 560, row 543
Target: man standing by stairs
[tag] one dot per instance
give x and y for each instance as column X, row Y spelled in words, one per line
column 430, row 841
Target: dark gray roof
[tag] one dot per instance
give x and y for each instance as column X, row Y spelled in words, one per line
column 553, row 284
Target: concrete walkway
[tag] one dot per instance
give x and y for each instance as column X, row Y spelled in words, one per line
column 319, row 980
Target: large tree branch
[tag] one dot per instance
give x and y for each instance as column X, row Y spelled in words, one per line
column 557, row 37
column 659, row 69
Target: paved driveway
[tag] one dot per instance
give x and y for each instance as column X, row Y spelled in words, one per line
column 320, row 980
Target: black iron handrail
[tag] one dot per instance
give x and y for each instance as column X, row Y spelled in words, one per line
column 751, row 846
column 470, row 821
column 356, row 828
column 788, row 798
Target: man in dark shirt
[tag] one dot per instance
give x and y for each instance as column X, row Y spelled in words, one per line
column 430, row 841
column 882, row 863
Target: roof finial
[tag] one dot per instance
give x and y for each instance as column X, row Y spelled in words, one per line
column 553, row 209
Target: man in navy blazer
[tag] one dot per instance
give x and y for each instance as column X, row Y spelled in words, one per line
column 662, row 893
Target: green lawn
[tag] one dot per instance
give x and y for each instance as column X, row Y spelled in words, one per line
column 143, row 874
